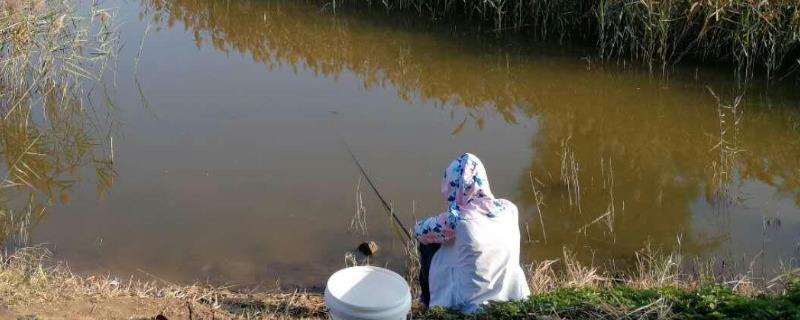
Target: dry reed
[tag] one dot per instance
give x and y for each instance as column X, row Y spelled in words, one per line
column 30, row 277
column 752, row 35
column 48, row 53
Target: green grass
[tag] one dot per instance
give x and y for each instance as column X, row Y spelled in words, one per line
column 659, row 288
column 622, row 302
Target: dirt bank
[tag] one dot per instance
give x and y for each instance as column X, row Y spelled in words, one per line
column 32, row 286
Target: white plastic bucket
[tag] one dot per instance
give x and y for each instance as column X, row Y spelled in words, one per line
column 367, row 293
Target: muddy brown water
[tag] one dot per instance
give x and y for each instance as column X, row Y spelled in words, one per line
column 230, row 166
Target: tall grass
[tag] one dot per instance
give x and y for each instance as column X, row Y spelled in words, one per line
column 47, row 53
column 47, row 48
column 752, row 35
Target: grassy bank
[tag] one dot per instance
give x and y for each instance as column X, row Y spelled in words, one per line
column 33, row 285
column 754, row 36
column 658, row 287
column 707, row 302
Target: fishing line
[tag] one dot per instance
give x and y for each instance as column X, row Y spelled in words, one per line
column 385, row 204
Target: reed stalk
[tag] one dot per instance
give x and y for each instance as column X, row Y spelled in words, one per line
column 48, row 52
column 754, row 36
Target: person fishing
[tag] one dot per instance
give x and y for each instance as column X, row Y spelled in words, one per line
column 469, row 255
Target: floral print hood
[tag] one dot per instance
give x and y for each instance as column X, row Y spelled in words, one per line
column 464, row 181
column 465, row 185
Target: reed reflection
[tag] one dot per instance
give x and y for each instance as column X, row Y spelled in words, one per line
column 620, row 159
column 49, row 132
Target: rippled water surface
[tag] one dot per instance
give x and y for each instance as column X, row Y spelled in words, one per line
column 230, row 164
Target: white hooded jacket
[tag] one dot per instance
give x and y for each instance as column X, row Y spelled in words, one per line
column 479, row 257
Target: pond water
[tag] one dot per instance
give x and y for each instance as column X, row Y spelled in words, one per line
column 230, row 162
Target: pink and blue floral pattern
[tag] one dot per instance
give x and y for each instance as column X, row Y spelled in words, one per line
column 466, row 186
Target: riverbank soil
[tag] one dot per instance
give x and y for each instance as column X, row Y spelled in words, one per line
column 109, row 308
column 232, row 306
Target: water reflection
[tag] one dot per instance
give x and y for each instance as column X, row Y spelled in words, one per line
column 44, row 155
column 50, row 132
column 645, row 157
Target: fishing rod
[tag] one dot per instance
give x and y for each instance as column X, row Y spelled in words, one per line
column 386, row 205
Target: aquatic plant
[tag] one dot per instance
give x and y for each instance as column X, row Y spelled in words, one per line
column 47, row 52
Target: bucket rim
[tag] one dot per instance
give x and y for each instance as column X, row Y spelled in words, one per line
column 405, row 300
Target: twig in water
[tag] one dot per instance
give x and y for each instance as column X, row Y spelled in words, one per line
column 139, row 53
column 359, row 221
column 537, row 196
column 569, row 174
column 528, row 232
